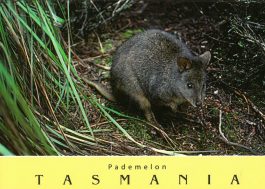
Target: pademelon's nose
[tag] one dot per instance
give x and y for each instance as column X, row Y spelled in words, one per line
column 198, row 103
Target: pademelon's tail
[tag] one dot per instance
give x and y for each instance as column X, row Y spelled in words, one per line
column 105, row 93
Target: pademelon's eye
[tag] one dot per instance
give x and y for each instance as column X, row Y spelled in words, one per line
column 190, row 85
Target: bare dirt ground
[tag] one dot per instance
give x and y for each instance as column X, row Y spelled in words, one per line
column 231, row 120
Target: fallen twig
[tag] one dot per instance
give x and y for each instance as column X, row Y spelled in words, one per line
column 107, row 68
column 242, row 95
column 226, row 140
column 162, row 133
column 256, row 110
column 248, row 101
column 253, row 106
column 90, row 60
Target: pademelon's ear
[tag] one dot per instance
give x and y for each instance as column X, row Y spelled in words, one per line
column 205, row 58
column 183, row 64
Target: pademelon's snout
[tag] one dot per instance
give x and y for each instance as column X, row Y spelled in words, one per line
column 196, row 102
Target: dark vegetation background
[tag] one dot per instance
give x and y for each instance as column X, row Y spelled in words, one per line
column 230, row 122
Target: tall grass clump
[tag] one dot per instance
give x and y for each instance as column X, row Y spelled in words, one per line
column 37, row 79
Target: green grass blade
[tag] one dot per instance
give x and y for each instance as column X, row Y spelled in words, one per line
column 20, row 110
column 4, row 151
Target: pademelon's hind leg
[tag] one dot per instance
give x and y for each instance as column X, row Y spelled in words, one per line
column 145, row 106
column 129, row 86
